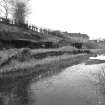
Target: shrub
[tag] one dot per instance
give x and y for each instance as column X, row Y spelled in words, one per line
column 23, row 55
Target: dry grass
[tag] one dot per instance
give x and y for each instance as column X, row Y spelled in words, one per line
column 26, row 54
column 65, row 48
column 101, row 80
column 38, row 66
column 101, row 85
column 26, row 59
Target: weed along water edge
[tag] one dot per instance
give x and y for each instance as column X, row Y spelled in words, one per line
column 16, row 68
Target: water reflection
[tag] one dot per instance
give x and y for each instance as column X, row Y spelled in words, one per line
column 14, row 92
column 18, row 91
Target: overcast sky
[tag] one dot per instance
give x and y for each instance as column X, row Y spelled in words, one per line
column 84, row 16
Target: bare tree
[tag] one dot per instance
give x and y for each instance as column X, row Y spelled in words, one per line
column 20, row 11
column 5, row 7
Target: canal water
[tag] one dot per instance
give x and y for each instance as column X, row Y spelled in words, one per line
column 75, row 85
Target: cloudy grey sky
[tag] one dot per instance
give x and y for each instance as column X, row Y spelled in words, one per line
column 84, row 16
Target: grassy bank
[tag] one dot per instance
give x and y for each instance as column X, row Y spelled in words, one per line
column 97, row 51
column 26, row 54
column 56, row 63
column 18, row 62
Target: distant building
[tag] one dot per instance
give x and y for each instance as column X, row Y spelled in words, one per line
column 78, row 37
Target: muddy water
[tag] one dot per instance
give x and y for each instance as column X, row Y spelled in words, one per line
column 75, row 85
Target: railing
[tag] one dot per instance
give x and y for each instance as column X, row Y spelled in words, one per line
column 26, row 26
column 36, row 29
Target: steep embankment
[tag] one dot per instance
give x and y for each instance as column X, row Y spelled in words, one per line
column 12, row 36
column 12, row 32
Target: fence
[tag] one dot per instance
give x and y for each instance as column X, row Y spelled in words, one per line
column 26, row 26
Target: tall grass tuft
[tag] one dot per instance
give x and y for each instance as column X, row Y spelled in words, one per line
column 101, row 85
column 101, row 80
